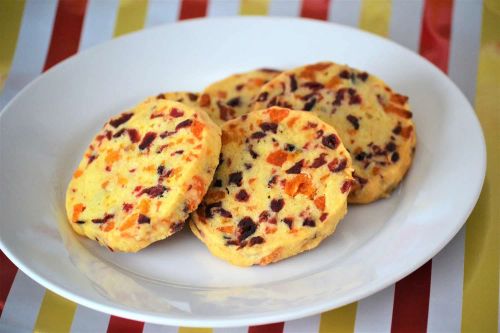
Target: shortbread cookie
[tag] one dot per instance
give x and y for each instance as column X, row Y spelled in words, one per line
column 142, row 175
column 281, row 187
column 374, row 122
column 231, row 97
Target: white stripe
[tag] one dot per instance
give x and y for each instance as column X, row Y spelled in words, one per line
column 32, row 44
column 445, row 302
column 162, row 11
column 406, row 22
column 375, row 312
column 154, row 328
column 345, row 12
column 99, row 22
column 303, row 325
column 22, row 305
column 284, row 8
column 223, row 8
column 87, row 320
column 231, row 330
column 465, row 42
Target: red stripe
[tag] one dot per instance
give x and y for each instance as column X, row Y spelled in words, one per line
column 66, row 31
column 411, row 296
column 436, row 31
column 193, row 8
column 7, row 275
column 411, row 301
column 269, row 328
column 315, row 9
column 120, row 325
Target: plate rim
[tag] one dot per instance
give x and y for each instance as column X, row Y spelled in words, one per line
column 278, row 315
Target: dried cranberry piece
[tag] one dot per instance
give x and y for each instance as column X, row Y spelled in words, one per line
column 147, row 140
column 184, row 123
column 154, row 191
column 309, row 222
column 273, row 127
column 336, row 166
column 331, row 141
column 391, row 146
column 395, row 157
column 246, row 227
column 176, row 113
column 360, row 156
column 353, row 120
column 258, row 135
column 133, row 134
column 124, row 117
column 356, row 99
column 272, row 181
column 319, row 161
column 160, row 96
column 176, row 227
column 310, row 104
column 362, row 76
column 277, row 205
column 236, row 178
column 119, row 133
column 256, row 240
column 104, row 219
column 242, row 196
column 313, row 85
column 235, row 101
column 264, row 216
column 288, row 221
column 346, row 186
column 252, row 152
column 143, row 219
column 225, row 213
column 296, row 168
column 218, row 183
column 192, row 97
column 263, row 96
column 345, row 74
column 127, row 207
column 293, row 83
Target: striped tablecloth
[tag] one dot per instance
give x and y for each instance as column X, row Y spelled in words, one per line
column 457, row 291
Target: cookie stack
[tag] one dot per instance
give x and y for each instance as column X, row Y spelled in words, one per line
column 262, row 163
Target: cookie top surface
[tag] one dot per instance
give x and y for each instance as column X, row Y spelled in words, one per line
column 283, row 176
column 184, row 97
column 142, row 174
column 374, row 122
column 231, row 97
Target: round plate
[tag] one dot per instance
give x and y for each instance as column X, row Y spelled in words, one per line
column 46, row 128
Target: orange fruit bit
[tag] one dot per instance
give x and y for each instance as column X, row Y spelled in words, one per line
column 144, row 206
column 112, row 156
column 129, row 222
column 398, row 111
column 197, row 129
column 335, row 81
column 301, row 183
column 77, row 210
column 204, row 100
column 274, row 256
column 278, row 114
column 320, row 202
column 109, row 226
column 78, row 173
column 277, row 158
column 228, row 229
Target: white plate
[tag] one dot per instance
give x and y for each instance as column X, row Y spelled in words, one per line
column 45, row 129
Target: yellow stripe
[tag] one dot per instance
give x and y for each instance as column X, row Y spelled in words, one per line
column 11, row 13
column 482, row 238
column 254, row 7
column 194, row 330
column 339, row 320
column 55, row 315
column 375, row 16
column 131, row 16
